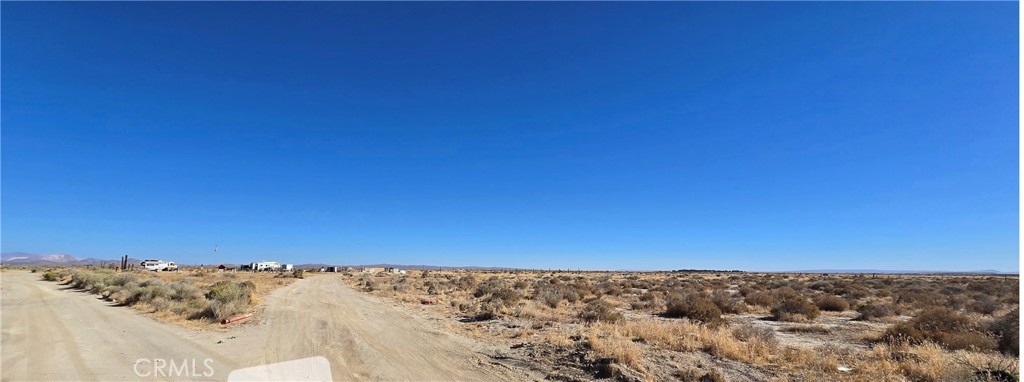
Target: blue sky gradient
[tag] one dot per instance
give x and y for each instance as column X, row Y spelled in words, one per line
column 753, row 136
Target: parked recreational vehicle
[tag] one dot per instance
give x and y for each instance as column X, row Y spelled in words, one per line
column 264, row 266
column 159, row 265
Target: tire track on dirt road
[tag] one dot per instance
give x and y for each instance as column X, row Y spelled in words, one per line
column 363, row 337
column 49, row 334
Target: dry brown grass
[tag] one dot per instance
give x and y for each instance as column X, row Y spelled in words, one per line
column 608, row 341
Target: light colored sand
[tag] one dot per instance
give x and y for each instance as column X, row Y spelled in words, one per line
column 49, row 334
column 54, row 335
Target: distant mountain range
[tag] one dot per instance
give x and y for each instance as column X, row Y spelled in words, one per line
column 22, row 258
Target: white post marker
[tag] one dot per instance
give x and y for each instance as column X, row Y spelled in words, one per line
column 300, row 370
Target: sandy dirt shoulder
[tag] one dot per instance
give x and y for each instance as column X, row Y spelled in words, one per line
column 59, row 335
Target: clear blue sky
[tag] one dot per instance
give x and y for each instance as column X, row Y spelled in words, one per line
column 747, row 136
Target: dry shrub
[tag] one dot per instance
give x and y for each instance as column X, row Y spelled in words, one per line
column 52, row 275
column 498, row 303
column 600, row 310
column 93, row 281
column 520, row 285
column 746, row 290
column 490, row 286
column 750, row 333
column 695, row 307
column 505, row 297
column 145, row 292
column 227, row 299
column 764, row 299
column 944, row 326
column 832, row 303
column 871, row 312
column 726, row 303
column 986, row 367
column 465, row 283
column 795, row 308
column 930, row 362
column 1007, row 329
column 921, row 299
column 984, row 304
column 549, row 296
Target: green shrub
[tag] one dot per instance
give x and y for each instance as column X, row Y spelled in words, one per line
column 185, row 291
column 227, row 292
column 226, row 299
column 90, row 280
column 123, row 279
column 51, row 276
column 145, row 292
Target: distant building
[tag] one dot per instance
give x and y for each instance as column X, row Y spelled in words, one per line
column 288, row 267
column 371, row 269
column 394, row 270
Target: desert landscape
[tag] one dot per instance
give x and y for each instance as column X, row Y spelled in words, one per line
column 696, row 191
column 525, row 325
column 727, row 326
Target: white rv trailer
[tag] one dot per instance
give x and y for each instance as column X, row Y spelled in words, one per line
column 261, row 266
column 159, row 265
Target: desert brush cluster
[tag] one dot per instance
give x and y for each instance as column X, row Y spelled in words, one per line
column 196, row 296
column 728, row 326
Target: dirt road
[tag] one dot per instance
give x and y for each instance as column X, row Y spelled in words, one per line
column 364, row 338
column 51, row 334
